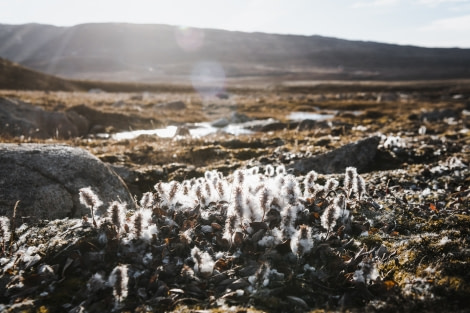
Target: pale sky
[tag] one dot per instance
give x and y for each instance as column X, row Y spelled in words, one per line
column 430, row 23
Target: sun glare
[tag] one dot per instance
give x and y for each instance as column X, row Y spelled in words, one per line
column 208, row 78
column 189, row 39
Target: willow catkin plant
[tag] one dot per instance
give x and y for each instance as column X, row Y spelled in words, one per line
column 147, row 201
column 359, row 187
column 117, row 213
column 89, row 199
column 290, row 190
column 160, row 190
column 309, row 184
column 214, row 179
column 208, row 190
column 214, row 182
column 5, row 233
column 269, row 170
column 281, row 170
column 239, row 177
column 349, row 178
column 203, row 262
column 231, row 224
column 250, row 215
column 118, row 280
column 329, row 217
column 288, row 217
column 265, row 201
column 261, row 276
column 237, row 207
column 142, row 228
column 185, row 188
column 254, row 170
column 200, row 194
column 166, row 192
column 209, row 175
column 138, row 225
column 258, row 187
column 140, row 222
column 251, row 210
column 302, row 242
column 330, row 185
column 220, row 189
column 174, row 187
column 340, row 203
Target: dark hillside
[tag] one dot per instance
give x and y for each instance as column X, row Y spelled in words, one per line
column 131, row 52
column 14, row 76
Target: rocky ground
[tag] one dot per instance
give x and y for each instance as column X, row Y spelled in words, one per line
column 242, row 236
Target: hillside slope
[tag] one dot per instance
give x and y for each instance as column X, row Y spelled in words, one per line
column 15, row 76
column 131, row 52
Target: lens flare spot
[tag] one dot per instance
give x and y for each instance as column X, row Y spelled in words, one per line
column 189, row 39
column 208, row 78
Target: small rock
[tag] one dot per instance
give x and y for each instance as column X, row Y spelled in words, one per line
column 265, row 125
column 202, row 155
column 174, row 105
column 438, row 115
column 307, row 125
column 222, row 95
column 275, row 126
column 119, row 104
column 102, row 121
column 220, row 123
column 373, row 114
column 359, row 154
column 138, row 97
column 312, row 124
column 387, row 97
column 237, row 118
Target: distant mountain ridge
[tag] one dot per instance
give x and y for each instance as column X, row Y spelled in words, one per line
column 153, row 53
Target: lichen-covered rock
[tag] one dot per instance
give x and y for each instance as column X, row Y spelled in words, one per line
column 359, row 154
column 46, row 180
column 19, row 118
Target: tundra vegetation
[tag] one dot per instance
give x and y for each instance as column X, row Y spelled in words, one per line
column 224, row 221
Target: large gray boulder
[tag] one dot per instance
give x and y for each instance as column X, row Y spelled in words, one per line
column 19, row 118
column 359, row 154
column 46, row 180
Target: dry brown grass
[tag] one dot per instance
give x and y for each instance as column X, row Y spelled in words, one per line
column 386, row 116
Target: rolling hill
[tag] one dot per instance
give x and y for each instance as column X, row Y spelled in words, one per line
column 162, row 53
column 15, row 76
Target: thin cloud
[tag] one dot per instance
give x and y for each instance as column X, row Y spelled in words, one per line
column 434, row 3
column 458, row 23
column 375, row 3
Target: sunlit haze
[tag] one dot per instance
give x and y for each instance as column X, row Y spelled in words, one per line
column 430, row 23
